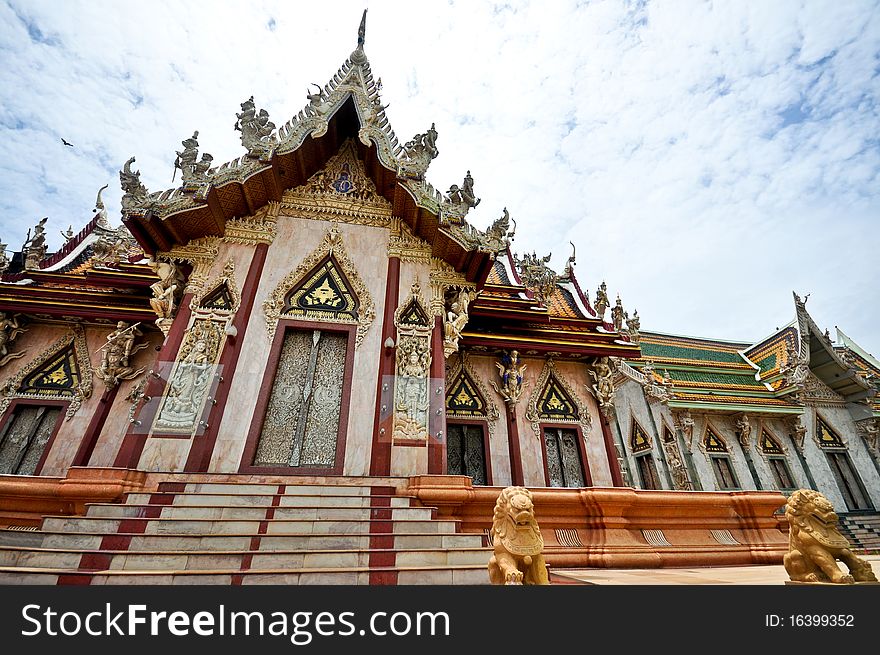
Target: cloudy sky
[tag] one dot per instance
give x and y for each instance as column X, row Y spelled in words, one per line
column 707, row 158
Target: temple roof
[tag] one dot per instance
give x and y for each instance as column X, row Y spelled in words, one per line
column 99, row 275
column 348, row 106
column 774, row 375
column 545, row 313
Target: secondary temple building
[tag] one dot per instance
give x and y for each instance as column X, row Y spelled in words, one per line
column 316, row 308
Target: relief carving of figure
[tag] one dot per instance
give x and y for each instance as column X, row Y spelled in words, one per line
column 117, row 354
column 190, row 382
column 677, row 469
column 686, row 424
column 4, row 259
column 411, row 389
column 798, row 431
column 511, row 371
column 10, row 328
column 815, row 543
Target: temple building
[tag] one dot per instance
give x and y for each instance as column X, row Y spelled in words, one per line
column 312, row 341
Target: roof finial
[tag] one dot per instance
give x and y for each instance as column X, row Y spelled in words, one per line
column 362, row 30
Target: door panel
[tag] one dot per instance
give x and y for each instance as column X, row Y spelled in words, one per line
column 563, row 458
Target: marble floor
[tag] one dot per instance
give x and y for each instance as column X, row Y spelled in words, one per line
column 722, row 575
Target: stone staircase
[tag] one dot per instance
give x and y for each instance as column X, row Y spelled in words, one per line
column 862, row 530
column 232, row 533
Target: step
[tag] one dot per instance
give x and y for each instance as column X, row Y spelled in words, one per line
column 468, row 574
column 256, row 513
column 265, row 500
column 254, row 559
column 253, row 527
column 196, row 542
column 236, row 488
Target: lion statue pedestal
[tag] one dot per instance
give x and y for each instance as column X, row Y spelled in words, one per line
column 517, row 541
column 815, row 543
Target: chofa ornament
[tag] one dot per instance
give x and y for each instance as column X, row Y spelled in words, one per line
column 516, row 540
column 815, row 543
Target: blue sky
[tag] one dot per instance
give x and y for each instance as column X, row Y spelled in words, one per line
column 706, row 158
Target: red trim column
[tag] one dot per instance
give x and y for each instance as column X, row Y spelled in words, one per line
column 437, row 421
column 611, row 453
column 90, row 438
column 516, row 467
column 135, row 439
column 202, row 448
column 380, row 453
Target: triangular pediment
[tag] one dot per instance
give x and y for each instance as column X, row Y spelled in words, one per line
column 769, row 444
column 554, row 403
column 220, row 298
column 413, row 314
column 639, row 440
column 59, row 376
column 463, row 398
column 324, row 293
column 714, row 443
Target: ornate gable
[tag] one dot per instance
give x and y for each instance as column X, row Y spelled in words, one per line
column 555, row 401
column 325, row 287
column 61, row 372
column 769, row 444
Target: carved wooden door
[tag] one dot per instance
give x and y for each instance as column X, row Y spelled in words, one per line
column 301, row 426
column 563, row 458
column 465, row 453
column 24, row 437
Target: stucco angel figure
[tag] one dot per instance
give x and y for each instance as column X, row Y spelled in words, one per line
column 117, row 353
column 456, row 319
column 10, row 328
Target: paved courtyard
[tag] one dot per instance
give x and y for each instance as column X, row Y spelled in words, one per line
column 734, row 575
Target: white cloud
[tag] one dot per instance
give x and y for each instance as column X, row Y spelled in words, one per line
column 707, row 158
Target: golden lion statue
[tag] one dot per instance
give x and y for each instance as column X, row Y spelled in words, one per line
column 815, row 543
column 517, row 541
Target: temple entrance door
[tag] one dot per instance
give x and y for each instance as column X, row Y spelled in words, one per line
column 563, row 458
column 24, row 437
column 301, row 425
column 850, row 485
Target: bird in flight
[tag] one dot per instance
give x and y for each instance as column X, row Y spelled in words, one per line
column 67, row 143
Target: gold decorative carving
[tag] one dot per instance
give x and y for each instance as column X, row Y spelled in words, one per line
column 250, row 231
column 227, row 279
column 517, row 556
column 815, row 544
column 81, row 390
column 404, row 244
column 533, row 411
column 331, row 244
column 341, row 190
column 200, row 253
